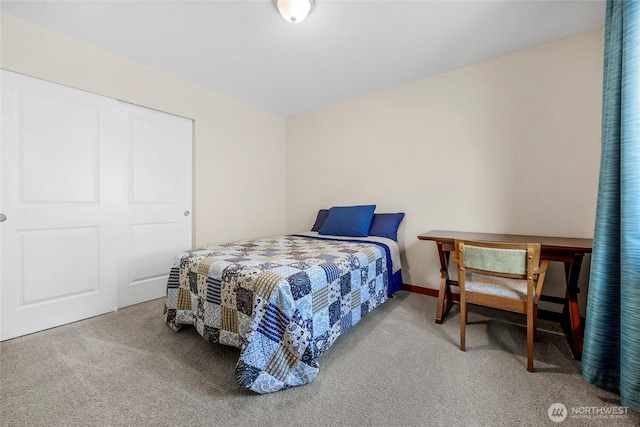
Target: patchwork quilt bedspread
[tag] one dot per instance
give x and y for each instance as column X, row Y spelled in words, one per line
column 283, row 301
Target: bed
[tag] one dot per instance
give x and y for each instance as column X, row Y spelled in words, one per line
column 282, row 300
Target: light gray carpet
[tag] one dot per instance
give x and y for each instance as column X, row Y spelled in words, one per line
column 395, row 368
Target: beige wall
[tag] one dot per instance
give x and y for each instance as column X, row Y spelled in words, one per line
column 239, row 150
column 510, row 145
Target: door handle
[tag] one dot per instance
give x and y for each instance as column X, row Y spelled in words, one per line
column 186, row 213
column 3, row 217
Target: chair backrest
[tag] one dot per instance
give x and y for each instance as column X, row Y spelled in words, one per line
column 514, row 260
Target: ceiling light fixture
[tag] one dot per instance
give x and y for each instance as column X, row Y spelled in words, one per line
column 294, row 11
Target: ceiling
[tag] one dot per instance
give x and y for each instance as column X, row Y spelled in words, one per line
column 344, row 49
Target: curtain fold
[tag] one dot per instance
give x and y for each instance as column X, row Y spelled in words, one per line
column 611, row 355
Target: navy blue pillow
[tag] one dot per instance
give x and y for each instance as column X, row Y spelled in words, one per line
column 353, row 221
column 386, row 225
column 320, row 219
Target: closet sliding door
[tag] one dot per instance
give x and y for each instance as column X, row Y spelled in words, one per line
column 86, row 203
column 156, row 221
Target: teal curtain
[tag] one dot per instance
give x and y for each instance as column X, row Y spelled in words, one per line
column 611, row 355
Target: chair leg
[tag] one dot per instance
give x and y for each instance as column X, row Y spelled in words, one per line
column 535, row 323
column 463, row 320
column 530, row 335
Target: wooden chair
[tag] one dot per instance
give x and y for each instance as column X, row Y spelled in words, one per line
column 506, row 276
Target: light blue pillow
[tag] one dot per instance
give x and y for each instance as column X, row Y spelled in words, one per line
column 386, row 225
column 352, row 221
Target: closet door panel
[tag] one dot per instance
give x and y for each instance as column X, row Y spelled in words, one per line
column 59, row 144
column 57, row 250
column 158, row 220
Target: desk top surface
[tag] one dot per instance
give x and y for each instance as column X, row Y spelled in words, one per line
column 546, row 242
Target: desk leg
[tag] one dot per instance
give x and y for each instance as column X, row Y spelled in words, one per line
column 572, row 309
column 444, row 294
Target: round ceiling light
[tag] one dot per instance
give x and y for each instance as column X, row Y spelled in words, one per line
column 294, row 11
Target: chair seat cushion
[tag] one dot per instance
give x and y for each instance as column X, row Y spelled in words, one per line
column 498, row 286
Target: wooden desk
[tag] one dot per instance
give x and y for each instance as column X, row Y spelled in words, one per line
column 569, row 251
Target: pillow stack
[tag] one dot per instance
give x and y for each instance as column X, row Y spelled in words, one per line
column 357, row 221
